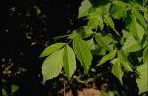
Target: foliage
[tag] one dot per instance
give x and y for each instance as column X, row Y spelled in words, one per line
column 115, row 46
column 6, row 91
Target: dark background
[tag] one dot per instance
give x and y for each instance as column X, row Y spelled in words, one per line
column 24, row 34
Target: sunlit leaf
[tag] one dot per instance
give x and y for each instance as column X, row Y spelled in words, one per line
column 145, row 55
column 142, row 81
column 117, row 69
column 124, row 61
column 95, row 20
column 51, row 49
column 107, row 57
column 118, row 11
column 104, row 41
column 52, row 65
column 82, row 52
column 69, row 61
column 140, row 18
column 131, row 45
column 135, row 28
column 84, row 8
column 108, row 20
column 146, row 14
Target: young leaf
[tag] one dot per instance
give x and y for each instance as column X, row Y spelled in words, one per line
column 107, row 57
column 51, row 49
column 82, row 52
column 142, row 81
column 52, row 65
column 69, row 61
column 117, row 69
column 124, row 61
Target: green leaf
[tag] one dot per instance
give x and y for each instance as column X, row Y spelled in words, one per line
column 140, row 18
column 4, row 93
column 51, row 49
column 117, row 69
column 142, row 81
column 145, row 55
column 84, row 32
column 82, row 52
column 52, row 65
column 131, row 45
column 69, row 61
column 118, row 11
column 109, row 22
column 146, row 14
column 95, row 20
column 107, row 93
column 91, row 44
column 84, row 8
column 14, row 88
column 124, row 61
column 120, row 3
column 104, row 41
column 136, row 29
column 107, row 57
column 101, row 23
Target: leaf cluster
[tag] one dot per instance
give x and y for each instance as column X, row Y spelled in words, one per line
column 96, row 39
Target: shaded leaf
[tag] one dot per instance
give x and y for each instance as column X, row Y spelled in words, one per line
column 69, row 61
column 4, row 93
column 14, row 88
column 51, row 49
column 84, row 32
column 52, row 65
column 107, row 93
